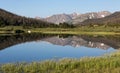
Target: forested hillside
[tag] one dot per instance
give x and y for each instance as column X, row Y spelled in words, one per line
column 8, row 18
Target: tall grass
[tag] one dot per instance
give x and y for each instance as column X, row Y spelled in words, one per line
column 105, row 64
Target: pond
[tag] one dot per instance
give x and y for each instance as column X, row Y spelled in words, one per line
column 40, row 47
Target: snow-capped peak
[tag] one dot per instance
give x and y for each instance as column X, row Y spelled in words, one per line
column 102, row 15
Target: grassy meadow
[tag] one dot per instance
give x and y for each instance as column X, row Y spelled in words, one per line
column 78, row 30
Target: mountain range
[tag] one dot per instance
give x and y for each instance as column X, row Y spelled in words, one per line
column 113, row 19
column 93, row 18
column 75, row 18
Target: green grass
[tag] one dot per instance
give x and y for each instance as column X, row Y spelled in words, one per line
column 105, row 64
column 11, row 29
column 100, row 30
column 80, row 30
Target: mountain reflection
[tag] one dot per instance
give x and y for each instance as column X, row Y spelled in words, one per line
column 103, row 42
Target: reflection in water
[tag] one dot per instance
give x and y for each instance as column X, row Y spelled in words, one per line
column 76, row 41
column 34, row 47
column 103, row 42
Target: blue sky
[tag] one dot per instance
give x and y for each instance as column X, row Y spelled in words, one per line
column 43, row 8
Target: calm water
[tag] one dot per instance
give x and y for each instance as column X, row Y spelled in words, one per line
column 37, row 47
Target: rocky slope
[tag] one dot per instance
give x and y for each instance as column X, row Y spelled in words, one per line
column 92, row 15
column 60, row 18
column 75, row 18
column 113, row 19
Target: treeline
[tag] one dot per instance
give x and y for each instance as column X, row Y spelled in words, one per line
column 10, row 19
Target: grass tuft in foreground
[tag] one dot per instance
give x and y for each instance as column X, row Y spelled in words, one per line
column 106, row 64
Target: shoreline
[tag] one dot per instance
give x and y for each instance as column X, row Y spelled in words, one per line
column 106, row 63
